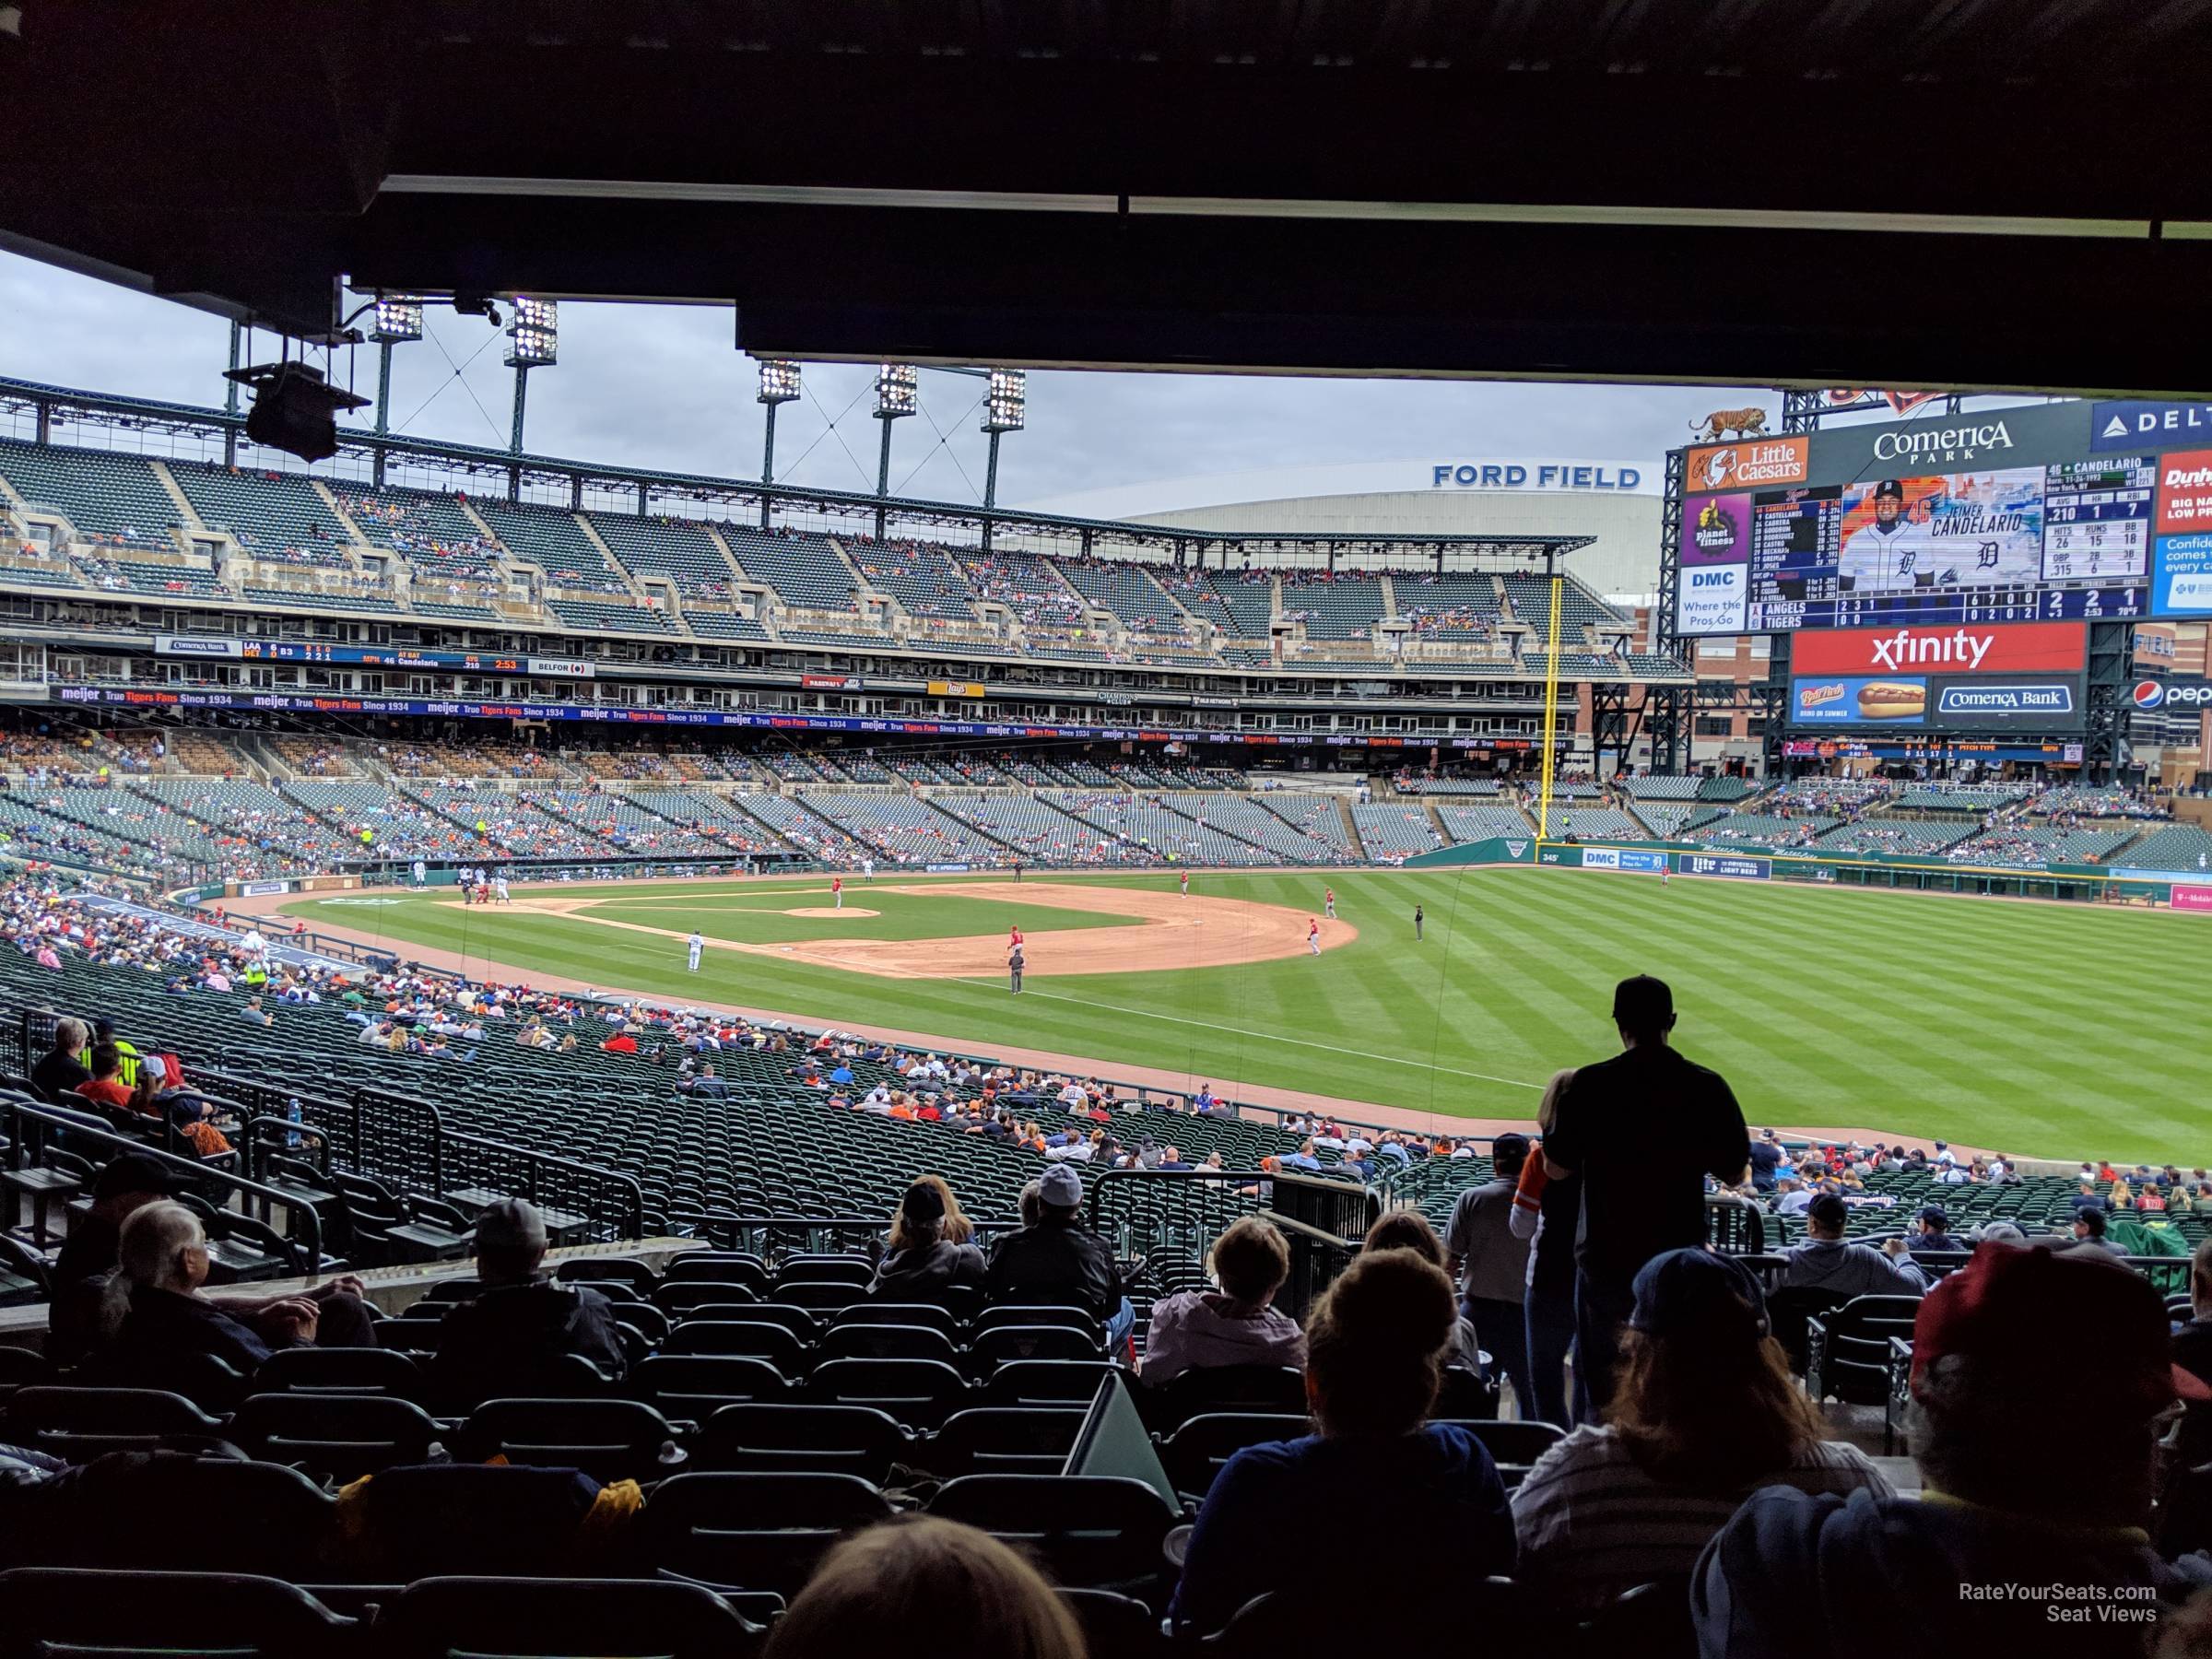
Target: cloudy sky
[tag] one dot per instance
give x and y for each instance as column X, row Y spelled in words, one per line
column 662, row 387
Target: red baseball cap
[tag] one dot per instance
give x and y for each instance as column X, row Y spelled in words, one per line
column 2034, row 1311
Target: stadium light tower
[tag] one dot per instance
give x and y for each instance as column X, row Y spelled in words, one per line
column 229, row 400
column 398, row 321
column 898, row 395
column 1006, row 409
column 779, row 384
column 534, row 342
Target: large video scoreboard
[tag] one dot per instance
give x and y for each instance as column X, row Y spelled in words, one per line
column 2068, row 512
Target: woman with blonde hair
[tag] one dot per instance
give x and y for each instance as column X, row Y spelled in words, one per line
column 1376, row 1344
column 1547, row 1212
column 893, row 1585
column 929, row 1249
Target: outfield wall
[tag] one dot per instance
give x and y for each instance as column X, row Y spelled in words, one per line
column 2075, row 883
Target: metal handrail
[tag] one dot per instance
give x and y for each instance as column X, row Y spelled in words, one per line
column 306, row 1223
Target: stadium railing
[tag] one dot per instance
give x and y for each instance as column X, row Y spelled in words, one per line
column 32, row 1129
column 398, row 1136
column 1176, row 1215
column 776, row 1236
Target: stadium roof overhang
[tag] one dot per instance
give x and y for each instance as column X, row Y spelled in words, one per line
column 1987, row 193
column 908, row 515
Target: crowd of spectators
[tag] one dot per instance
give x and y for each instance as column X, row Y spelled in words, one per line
column 1694, row 1458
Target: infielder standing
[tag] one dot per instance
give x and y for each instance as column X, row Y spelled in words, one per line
column 1186, row 883
column 1328, row 902
column 697, row 945
column 1313, row 936
column 837, row 890
column 1417, row 924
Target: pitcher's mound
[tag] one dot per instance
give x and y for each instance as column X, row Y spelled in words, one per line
column 849, row 909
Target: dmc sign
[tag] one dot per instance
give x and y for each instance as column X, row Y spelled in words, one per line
column 1520, row 474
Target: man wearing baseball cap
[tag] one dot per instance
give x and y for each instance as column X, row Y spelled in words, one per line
column 511, row 1337
column 1056, row 1261
column 2038, row 1379
column 1643, row 1130
column 1890, row 555
column 1936, row 1230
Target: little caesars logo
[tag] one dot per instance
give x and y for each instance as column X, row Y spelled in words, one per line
column 1755, row 461
column 1943, row 443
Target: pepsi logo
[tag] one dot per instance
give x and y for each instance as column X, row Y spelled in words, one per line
column 2149, row 694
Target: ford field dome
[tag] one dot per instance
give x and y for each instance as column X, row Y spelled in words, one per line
column 1616, row 501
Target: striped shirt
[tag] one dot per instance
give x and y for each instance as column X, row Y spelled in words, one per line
column 1592, row 1523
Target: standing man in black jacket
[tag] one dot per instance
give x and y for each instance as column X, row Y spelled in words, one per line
column 1056, row 1261
column 1643, row 1130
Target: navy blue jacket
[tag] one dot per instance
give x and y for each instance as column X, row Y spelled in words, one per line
column 1437, row 1485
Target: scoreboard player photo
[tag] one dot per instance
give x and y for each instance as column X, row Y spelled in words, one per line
column 1891, row 553
column 1950, row 530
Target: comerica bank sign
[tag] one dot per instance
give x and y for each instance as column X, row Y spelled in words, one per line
column 1533, row 474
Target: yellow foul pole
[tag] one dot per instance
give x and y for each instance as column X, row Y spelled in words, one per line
column 1551, row 707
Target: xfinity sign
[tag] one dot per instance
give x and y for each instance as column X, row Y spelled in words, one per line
column 2003, row 648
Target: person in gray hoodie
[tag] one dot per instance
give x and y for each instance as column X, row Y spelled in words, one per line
column 1824, row 1262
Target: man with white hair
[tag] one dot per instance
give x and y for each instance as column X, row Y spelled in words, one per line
column 162, row 1264
column 60, row 1069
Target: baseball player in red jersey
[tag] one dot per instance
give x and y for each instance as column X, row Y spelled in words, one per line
column 837, row 890
column 1328, row 902
column 1313, row 936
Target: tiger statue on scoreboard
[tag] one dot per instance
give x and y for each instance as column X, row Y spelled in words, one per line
column 1744, row 423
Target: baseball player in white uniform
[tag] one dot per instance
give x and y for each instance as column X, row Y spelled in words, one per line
column 1893, row 555
column 867, row 868
column 422, row 874
column 697, row 944
column 499, row 888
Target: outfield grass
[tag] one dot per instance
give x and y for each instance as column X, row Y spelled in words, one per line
column 2045, row 1030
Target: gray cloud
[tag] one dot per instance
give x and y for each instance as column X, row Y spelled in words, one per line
column 662, row 387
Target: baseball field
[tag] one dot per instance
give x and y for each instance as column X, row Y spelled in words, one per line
column 2038, row 1029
